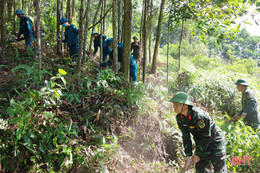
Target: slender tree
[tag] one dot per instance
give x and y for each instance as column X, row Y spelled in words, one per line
column 69, row 10
column 179, row 66
column 150, row 26
column 62, row 30
column 72, row 10
column 168, row 43
column 145, row 40
column 86, row 19
column 127, row 36
column 14, row 21
column 81, row 33
column 115, row 35
column 101, row 30
column 94, row 21
column 158, row 37
column 3, row 23
column 38, row 25
column 120, row 9
column 58, row 27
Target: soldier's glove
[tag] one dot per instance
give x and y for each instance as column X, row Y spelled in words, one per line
column 243, row 115
column 195, row 159
column 235, row 118
column 188, row 164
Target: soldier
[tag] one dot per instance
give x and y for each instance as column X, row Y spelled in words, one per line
column 133, row 66
column 71, row 37
column 250, row 107
column 135, row 46
column 97, row 38
column 26, row 28
column 208, row 137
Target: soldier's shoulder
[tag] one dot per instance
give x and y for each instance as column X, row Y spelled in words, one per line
column 199, row 113
column 249, row 93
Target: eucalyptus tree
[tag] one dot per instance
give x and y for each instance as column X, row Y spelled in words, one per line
column 158, row 37
column 127, row 36
column 115, row 21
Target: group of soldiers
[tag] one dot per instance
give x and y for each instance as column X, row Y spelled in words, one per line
column 72, row 40
column 209, row 138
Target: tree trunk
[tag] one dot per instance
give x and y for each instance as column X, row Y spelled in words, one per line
column 101, row 31
column 115, row 35
column 81, row 33
column 72, row 10
column 150, row 26
column 3, row 23
column 69, row 10
column 86, row 19
column 29, row 8
column 127, row 37
column 38, row 24
column 141, row 37
column 120, row 9
column 168, row 43
column 144, row 40
column 94, row 21
column 9, row 7
column 58, row 27
column 104, row 21
column 14, row 21
column 62, row 30
column 179, row 67
column 158, row 38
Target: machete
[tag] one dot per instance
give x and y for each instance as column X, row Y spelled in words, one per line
column 15, row 40
column 51, row 31
column 59, row 39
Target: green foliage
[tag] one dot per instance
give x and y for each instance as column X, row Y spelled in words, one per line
column 206, row 62
column 241, row 141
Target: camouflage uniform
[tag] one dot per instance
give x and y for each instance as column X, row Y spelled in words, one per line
column 250, row 106
column 136, row 50
column 209, row 139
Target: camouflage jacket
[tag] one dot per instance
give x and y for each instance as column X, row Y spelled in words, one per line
column 204, row 130
column 250, row 106
column 136, row 50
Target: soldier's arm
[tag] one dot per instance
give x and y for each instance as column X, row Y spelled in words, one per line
column 204, row 131
column 187, row 144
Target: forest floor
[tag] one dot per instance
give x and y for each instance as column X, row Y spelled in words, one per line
column 141, row 143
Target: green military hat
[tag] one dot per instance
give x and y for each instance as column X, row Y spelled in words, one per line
column 181, row 97
column 134, row 37
column 242, row 82
column 94, row 32
column 19, row 12
column 63, row 20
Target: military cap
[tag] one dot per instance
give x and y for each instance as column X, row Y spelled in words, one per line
column 242, row 82
column 181, row 97
column 63, row 20
column 19, row 12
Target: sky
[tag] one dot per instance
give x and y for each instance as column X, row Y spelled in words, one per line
column 253, row 29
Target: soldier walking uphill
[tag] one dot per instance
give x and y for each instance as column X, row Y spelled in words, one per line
column 71, row 37
column 250, row 105
column 97, row 38
column 135, row 46
column 208, row 137
column 26, row 28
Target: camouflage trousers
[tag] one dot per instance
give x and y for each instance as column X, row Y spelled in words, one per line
column 217, row 159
